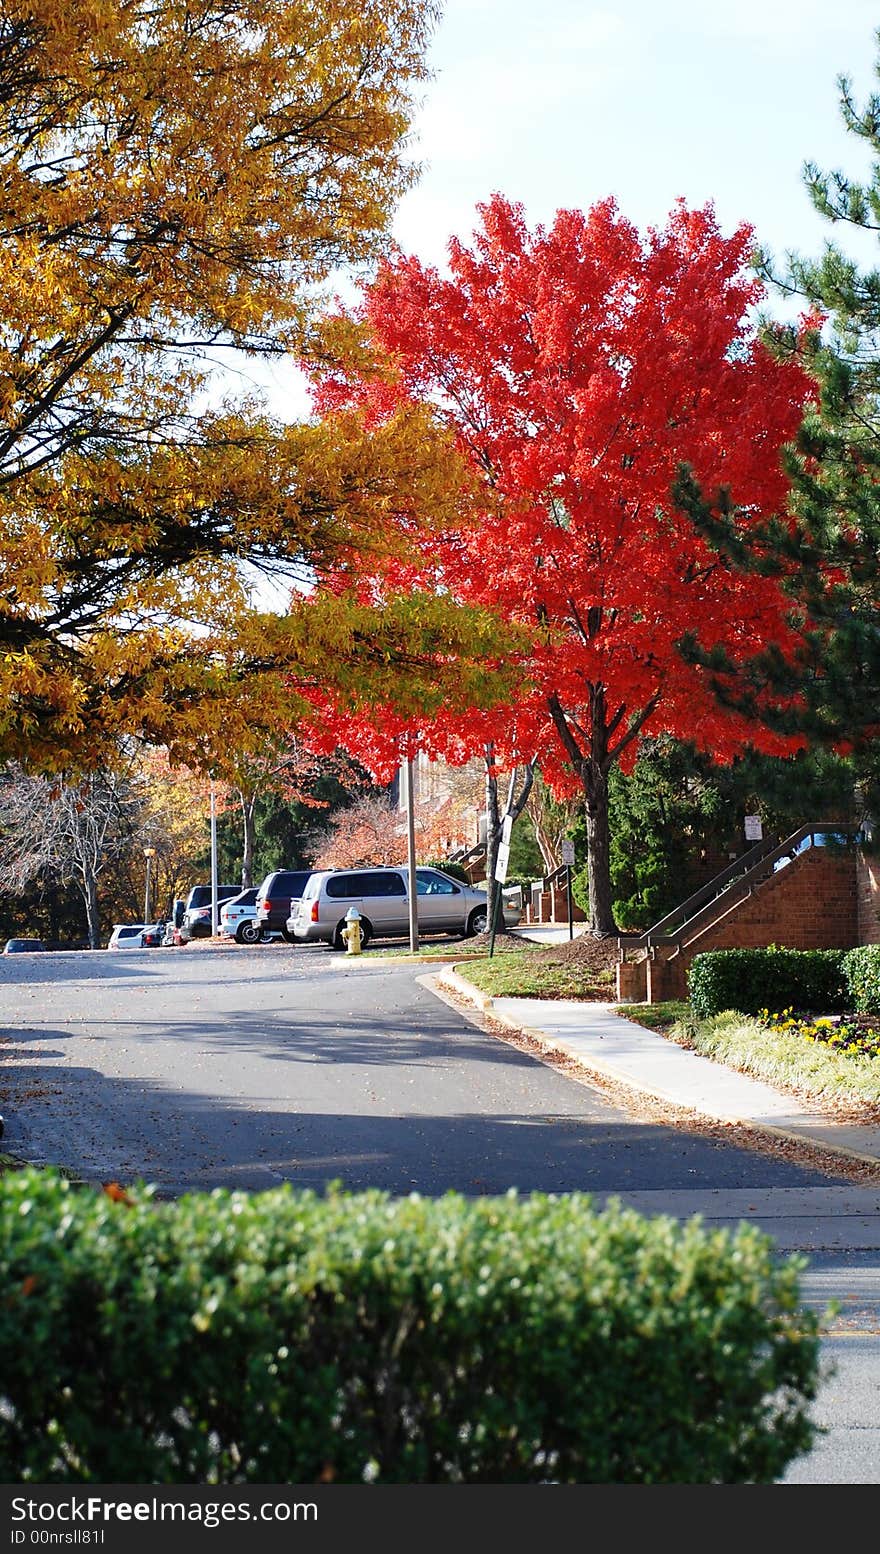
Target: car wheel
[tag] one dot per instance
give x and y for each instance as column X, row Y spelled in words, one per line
column 478, row 921
column 338, row 941
column 287, row 936
column 247, row 933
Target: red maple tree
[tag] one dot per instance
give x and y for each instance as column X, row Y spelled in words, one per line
column 579, row 369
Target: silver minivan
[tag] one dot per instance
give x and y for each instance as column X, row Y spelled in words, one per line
column 444, row 905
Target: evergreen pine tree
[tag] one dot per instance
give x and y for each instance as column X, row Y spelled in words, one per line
column 835, row 465
column 827, row 542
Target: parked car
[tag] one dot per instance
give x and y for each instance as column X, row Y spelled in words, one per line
column 134, row 936
column 22, row 946
column 196, row 920
column 275, row 898
column 444, row 905
column 172, row 927
column 238, row 918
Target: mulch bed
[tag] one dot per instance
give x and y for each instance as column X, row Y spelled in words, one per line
column 585, row 951
column 503, row 941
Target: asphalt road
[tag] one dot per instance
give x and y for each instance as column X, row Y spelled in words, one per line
column 200, row 1068
column 247, row 1067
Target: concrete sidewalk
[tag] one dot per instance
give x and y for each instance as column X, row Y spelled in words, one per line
column 549, row 933
column 613, row 1047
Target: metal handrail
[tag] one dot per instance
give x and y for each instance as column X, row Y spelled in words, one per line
column 465, row 854
column 556, row 878
column 737, row 886
column 719, row 883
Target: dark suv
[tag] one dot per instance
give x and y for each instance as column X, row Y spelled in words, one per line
column 274, row 897
column 196, row 920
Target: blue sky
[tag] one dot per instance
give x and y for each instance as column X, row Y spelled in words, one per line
column 562, row 102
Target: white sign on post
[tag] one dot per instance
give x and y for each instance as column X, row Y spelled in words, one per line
column 501, row 862
column 506, row 829
column 754, row 832
column 567, row 851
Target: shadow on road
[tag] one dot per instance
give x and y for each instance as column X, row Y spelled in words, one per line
column 104, row 1128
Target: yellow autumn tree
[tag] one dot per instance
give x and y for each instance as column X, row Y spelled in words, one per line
column 177, row 180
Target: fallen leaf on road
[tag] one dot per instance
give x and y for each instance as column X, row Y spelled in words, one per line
column 117, row 1193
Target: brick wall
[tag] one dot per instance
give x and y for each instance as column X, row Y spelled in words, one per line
column 808, row 905
column 811, row 904
column 868, row 898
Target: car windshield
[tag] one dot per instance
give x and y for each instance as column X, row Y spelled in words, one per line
column 200, row 895
column 287, row 884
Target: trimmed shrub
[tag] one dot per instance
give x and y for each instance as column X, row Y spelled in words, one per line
column 861, row 968
column 288, row 1338
column 775, row 978
column 580, row 889
column 456, row 871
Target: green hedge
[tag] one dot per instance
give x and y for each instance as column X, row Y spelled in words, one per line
column 286, row 1338
column 862, row 970
column 751, row 980
column 580, row 889
column 456, row 871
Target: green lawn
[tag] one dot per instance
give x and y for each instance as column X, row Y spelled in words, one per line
column 532, row 974
column 657, row 1017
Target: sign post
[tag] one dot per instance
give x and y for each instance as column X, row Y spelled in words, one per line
column 568, row 859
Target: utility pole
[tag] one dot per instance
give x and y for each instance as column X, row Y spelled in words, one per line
column 215, row 907
column 407, row 771
column 149, row 855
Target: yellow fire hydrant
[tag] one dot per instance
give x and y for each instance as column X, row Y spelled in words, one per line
column 352, row 933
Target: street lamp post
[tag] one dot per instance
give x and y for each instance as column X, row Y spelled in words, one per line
column 149, row 855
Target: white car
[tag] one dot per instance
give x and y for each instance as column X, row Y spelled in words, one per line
column 238, row 918
column 132, row 936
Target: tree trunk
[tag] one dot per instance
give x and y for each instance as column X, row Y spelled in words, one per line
column 248, row 809
column 549, row 857
column 93, row 920
column 514, row 808
column 599, row 854
column 592, row 766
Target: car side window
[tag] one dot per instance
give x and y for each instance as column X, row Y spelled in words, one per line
column 428, row 884
column 389, row 884
column 345, row 886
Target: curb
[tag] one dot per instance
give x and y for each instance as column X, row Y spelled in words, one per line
column 472, row 994
column 597, row 1068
